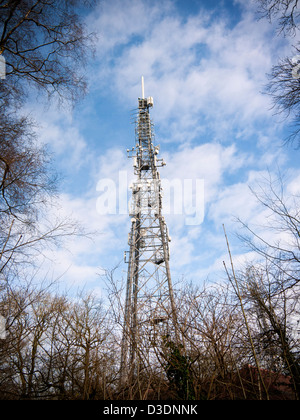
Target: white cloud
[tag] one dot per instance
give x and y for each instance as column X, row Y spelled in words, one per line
column 80, row 258
column 293, row 186
column 208, row 161
column 192, row 67
column 117, row 22
column 206, row 78
column 234, row 201
column 57, row 129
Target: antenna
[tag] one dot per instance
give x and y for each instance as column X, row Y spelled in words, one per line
column 143, row 88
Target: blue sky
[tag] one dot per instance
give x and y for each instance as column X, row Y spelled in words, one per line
column 205, row 64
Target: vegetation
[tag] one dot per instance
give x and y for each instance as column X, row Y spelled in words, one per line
column 237, row 339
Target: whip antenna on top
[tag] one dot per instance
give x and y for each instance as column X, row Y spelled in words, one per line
column 143, row 88
column 145, row 103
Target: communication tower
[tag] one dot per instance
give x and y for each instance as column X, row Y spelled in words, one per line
column 149, row 305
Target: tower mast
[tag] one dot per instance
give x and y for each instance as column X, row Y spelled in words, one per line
column 149, row 306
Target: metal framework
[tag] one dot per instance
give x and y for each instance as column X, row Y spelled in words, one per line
column 149, row 305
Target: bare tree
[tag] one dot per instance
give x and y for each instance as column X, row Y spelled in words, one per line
column 285, row 11
column 275, row 310
column 26, row 176
column 284, row 86
column 55, row 348
column 269, row 287
column 27, row 191
column 46, row 45
column 284, row 89
column 209, row 322
column 283, row 250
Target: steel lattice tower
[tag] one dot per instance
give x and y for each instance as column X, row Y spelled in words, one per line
column 149, row 305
